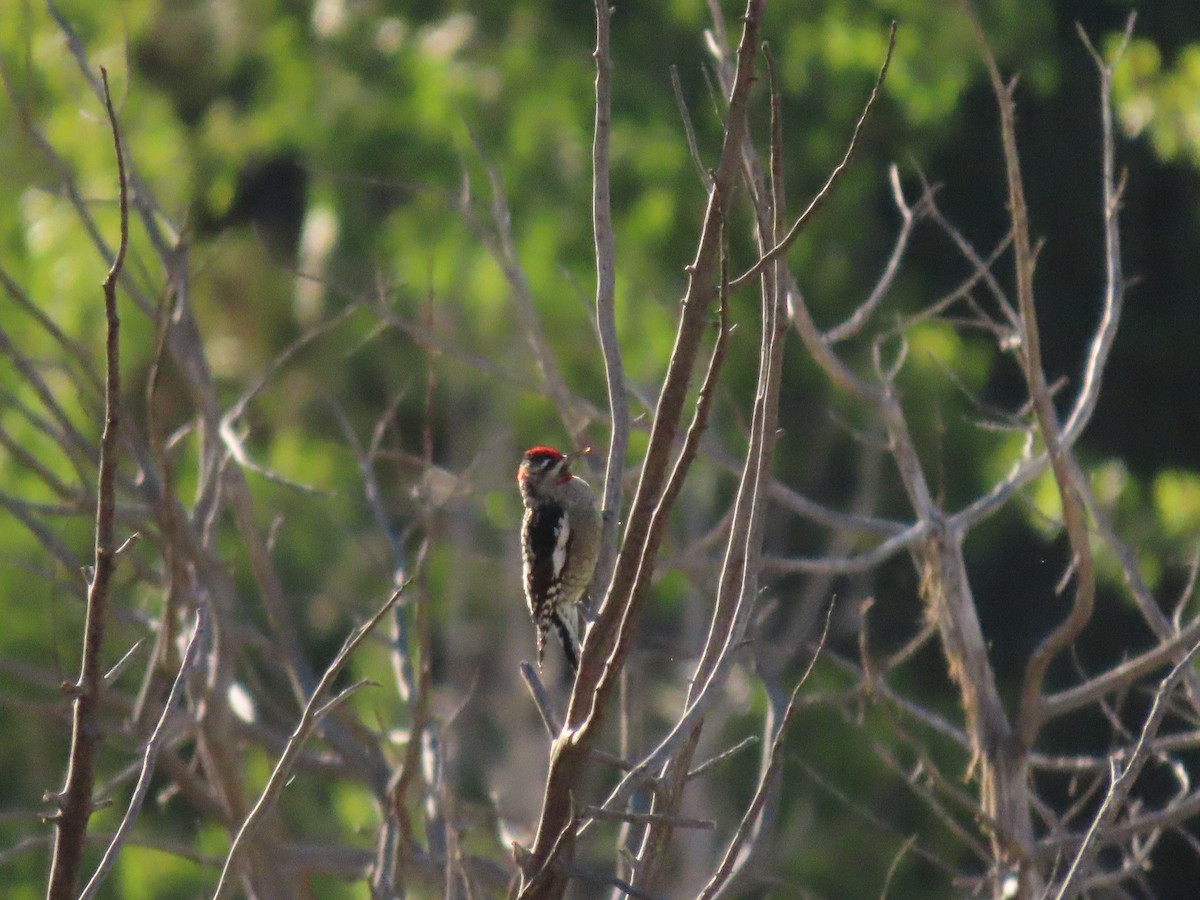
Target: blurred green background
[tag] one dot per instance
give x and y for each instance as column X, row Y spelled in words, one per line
column 340, row 138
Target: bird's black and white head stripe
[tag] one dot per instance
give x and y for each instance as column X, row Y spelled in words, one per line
column 541, row 466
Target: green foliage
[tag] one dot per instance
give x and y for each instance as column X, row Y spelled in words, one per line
column 1177, row 502
column 1159, row 100
column 147, row 874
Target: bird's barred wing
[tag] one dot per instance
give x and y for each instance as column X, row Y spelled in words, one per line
column 547, row 534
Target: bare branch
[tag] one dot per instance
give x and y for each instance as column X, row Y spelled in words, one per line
column 909, row 216
column 541, row 699
column 826, row 189
column 1102, row 341
column 638, row 775
column 1074, row 514
column 1119, row 677
column 870, row 817
column 797, row 503
column 75, row 802
column 748, row 741
column 499, row 241
column 731, row 863
column 689, row 131
column 1114, row 801
column 148, row 761
column 894, row 866
column 612, row 815
column 862, row 562
column 606, row 324
column 308, row 721
column 1114, row 278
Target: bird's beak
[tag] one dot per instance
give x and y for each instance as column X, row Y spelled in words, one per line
column 571, row 457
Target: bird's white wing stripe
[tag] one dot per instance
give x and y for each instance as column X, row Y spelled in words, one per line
column 561, row 536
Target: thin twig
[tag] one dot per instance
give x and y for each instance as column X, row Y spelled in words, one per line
column 797, row 503
column 826, row 189
column 689, row 130
column 894, row 866
column 860, row 562
column 148, row 761
column 748, row 741
column 498, row 238
column 870, row 816
column 541, row 699
column 730, row 863
column 615, row 815
column 606, row 322
column 909, row 215
column 1122, row 783
column 1102, row 341
column 1120, row 676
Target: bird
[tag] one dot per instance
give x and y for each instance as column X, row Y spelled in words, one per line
column 560, row 543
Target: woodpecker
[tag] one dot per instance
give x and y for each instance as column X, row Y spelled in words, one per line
column 560, row 541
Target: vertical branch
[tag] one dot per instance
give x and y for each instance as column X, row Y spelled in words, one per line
column 636, row 561
column 1074, row 516
column 779, row 250
column 605, row 300
column 408, row 769
column 674, row 775
column 608, row 642
column 737, row 571
column 740, row 569
column 766, row 418
column 1114, row 278
column 75, row 801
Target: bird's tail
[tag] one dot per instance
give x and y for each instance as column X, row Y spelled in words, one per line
column 567, row 626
